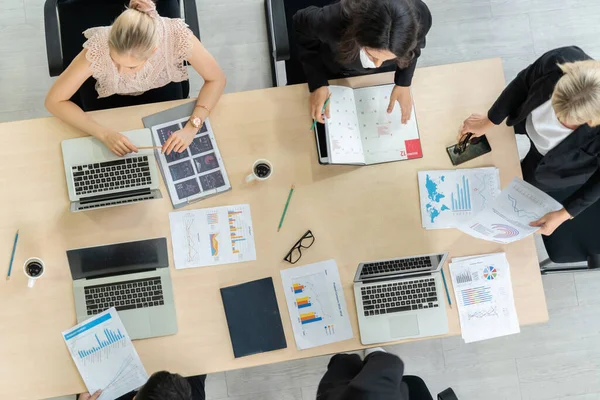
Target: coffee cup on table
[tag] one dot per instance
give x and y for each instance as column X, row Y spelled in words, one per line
column 34, row 269
column 261, row 171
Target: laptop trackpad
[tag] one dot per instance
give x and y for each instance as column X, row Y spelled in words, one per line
column 404, row 326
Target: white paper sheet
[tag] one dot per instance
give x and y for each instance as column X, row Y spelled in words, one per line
column 105, row 356
column 212, row 236
column 507, row 218
column 316, row 304
column 483, row 291
column 450, row 198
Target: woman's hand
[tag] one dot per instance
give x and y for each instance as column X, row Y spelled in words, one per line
column 180, row 140
column 549, row 222
column 118, row 143
column 316, row 101
column 87, row 396
column 401, row 94
column 476, row 124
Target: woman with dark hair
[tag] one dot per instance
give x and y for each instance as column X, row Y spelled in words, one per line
column 354, row 37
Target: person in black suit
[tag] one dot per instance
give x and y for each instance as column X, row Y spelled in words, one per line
column 378, row 377
column 353, row 37
column 163, row 385
column 556, row 103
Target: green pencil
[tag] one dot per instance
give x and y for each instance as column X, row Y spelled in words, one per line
column 322, row 111
column 287, row 203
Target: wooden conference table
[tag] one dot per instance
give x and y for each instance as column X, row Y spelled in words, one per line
column 356, row 214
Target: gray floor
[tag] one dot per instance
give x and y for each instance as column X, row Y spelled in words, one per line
column 558, row 360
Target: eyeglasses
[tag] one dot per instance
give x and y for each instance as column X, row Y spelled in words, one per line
column 295, row 253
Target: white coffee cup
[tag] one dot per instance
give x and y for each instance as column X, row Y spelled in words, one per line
column 34, row 269
column 261, row 171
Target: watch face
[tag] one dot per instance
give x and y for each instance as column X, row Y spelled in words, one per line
column 196, row 121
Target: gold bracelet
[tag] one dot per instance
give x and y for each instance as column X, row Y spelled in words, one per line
column 203, row 106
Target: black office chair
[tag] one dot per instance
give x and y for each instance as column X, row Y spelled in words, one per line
column 575, row 241
column 417, row 390
column 282, row 44
column 65, row 21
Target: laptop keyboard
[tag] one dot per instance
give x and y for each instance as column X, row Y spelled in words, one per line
column 131, row 172
column 127, row 295
column 387, row 298
column 392, row 266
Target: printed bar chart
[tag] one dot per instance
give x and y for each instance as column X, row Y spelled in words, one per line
column 298, row 288
column 303, row 302
column 309, row 318
column 111, row 337
column 461, row 200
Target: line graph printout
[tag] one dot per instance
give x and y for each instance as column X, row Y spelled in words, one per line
column 449, row 198
column 105, row 356
column 483, row 289
column 507, row 218
column 212, row 236
column 316, row 304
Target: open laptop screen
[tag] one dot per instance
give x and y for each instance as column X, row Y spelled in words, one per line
column 117, row 259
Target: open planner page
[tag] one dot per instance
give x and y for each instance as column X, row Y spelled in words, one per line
column 384, row 137
column 343, row 136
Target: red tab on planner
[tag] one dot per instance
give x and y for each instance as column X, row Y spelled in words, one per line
column 413, row 148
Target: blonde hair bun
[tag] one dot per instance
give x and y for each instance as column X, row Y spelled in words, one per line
column 135, row 31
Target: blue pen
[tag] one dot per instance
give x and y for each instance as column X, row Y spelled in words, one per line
column 446, row 287
column 12, row 257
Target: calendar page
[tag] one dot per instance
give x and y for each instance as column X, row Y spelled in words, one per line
column 343, row 136
column 360, row 130
column 384, row 138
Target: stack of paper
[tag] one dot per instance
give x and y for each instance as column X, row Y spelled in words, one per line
column 105, row 356
column 507, row 218
column 484, row 294
column 212, row 236
column 316, row 303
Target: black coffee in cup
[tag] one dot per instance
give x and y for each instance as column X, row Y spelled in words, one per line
column 34, row 269
column 262, row 170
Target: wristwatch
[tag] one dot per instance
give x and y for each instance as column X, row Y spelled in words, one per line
column 196, row 121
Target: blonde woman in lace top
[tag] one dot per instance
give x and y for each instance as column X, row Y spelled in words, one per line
column 139, row 52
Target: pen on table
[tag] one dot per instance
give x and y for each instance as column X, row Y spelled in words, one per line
column 322, row 111
column 287, row 203
column 12, row 257
column 149, row 147
column 446, row 287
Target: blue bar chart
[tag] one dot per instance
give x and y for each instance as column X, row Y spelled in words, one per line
column 461, row 198
column 111, row 337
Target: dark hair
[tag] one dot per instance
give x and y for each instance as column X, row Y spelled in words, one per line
column 391, row 25
column 165, row 386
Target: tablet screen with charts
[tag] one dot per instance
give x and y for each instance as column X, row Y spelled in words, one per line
column 195, row 173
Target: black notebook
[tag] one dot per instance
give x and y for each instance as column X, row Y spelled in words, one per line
column 253, row 317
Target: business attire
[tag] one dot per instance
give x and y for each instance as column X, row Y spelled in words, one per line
column 378, row 377
column 563, row 163
column 196, row 382
column 318, row 32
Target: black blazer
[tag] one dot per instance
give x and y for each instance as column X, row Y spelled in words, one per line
column 575, row 162
column 318, row 34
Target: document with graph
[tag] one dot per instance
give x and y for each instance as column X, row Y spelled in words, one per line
column 507, row 218
column 360, row 130
column 483, row 291
column 212, row 236
column 105, row 356
column 316, row 303
column 449, row 198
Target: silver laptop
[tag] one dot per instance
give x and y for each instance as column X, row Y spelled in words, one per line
column 97, row 178
column 133, row 277
column 400, row 298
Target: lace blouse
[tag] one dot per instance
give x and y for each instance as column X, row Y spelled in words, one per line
column 164, row 66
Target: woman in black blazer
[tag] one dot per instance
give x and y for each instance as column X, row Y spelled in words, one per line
column 353, row 37
column 556, row 102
